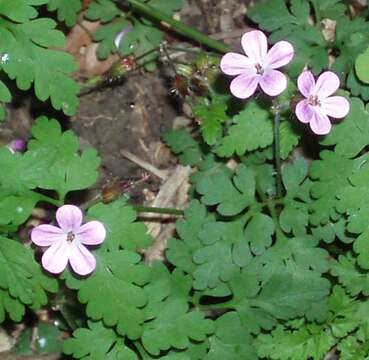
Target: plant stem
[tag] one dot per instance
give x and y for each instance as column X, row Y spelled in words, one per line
column 177, row 26
column 158, row 210
column 316, row 11
column 277, row 152
column 49, row 200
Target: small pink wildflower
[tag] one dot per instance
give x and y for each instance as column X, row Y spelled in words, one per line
column 258, row 66
column 318, row 104
column 66, row 241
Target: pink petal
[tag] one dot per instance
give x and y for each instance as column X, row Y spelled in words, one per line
column 81, row 260
column 273, row 82
column 326, row 85
column 244, row 85
column 304, row 111
column 335, row 106
column 320, row 123
column 55, row 258
column 69, row 217
column 255, row 46
column 306, row 83
column 235, row 64
column 46, row 235
column 279, row 55
column 91, row 233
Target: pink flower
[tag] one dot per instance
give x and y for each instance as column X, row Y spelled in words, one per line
column 258, row 67
column 66, row 242
column 318, row 104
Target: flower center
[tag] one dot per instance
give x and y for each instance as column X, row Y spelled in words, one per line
column 259, row 69
column 314, row 100
column 70, row 236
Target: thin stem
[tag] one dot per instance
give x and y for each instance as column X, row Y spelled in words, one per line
column 181, row 28
column 49, row 200
column 158, row 210
column 277, row 152
column 316, row 11
column 67, row 316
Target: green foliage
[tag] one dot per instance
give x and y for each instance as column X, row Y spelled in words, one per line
column 183, row 145
column 143, row 35
column 252, row 129
column 211, row 116
column 119, row 220
column 67, row 10
column 298, row 341
column 27, row 57
column 97, row 342
column 119, row 278
column 22, row 281
column 293, row 24
column 362, row 67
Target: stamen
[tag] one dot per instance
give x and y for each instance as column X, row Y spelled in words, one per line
column 314, row 100
column 259, row 69
column 70, row 236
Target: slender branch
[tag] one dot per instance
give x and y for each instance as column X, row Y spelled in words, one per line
column 177, row 26
column 158, row 210
column 277, row 152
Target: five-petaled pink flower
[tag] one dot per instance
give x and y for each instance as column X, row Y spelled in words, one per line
column 258, row 66
column 67, row 241
column 318, row 104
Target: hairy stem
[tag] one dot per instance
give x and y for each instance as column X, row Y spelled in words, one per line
column 158, row 210
column 177, row 26
column 277, row 152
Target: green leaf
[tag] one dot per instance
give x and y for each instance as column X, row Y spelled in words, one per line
column 8, row 304
column 350, row 276
column 30, row 61
column 230, row 195
column 351, row 39
column 309, row 342
column 252, row 129
column 231, row 340
column 289, row 138
column 182, row 144
column 122, row 229
column 211, row 116
column 215, row 259
column 55, row 157
column 113, row 292
column 67, row 10
column 97, row 342
column 174, row 326
column 180, row 253
column 22, row 277
column 20, row 10
column 103, row 10
column 259, row 233
column 362, row 66
column 350, row 136
column 325, row 190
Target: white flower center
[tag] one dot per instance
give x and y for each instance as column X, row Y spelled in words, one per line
column 313, row 100
column 70, row 236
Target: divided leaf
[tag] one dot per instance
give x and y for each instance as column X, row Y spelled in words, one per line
column 114, row 291
column 122, row 229
column 252, row 129
column 97, row 342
